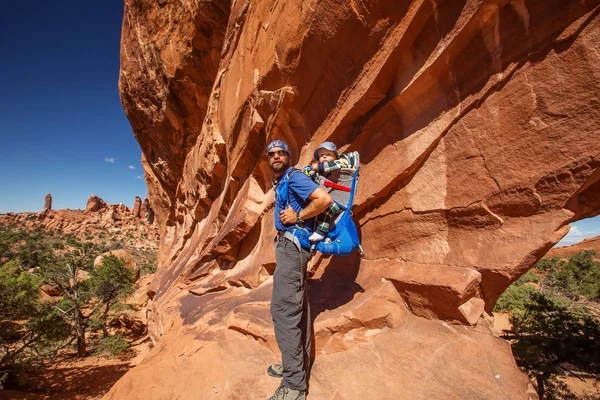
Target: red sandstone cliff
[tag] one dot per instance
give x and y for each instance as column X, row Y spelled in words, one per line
column 477, row 123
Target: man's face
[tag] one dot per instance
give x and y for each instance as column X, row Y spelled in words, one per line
column 326, row 155
column 279, row 159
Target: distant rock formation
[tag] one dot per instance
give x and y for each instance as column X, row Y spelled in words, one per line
column 110, row 218
column 85, row 224
column 122, row 211
column 137, row 204
column 568, row 251
column 95, row 204
column 146, row 211
column 144, row 207
column 48, row 202
column 150, row 216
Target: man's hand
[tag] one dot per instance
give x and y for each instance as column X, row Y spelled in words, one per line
column 314, row 165
column 288, row 216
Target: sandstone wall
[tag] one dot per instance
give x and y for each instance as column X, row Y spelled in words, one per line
column 477, row 123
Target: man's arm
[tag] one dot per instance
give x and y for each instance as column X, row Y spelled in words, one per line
column 319, row 200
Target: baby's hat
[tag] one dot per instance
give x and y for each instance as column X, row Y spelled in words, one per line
column 327, row 146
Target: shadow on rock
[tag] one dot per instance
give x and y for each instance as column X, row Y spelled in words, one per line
column 69, row 383
column 336, row 286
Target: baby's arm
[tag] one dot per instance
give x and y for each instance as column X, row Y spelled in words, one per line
column 330, row 166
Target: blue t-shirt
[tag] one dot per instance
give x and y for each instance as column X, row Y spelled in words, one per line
column 300, row 187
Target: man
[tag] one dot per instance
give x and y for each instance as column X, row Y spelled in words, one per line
column 297, row 200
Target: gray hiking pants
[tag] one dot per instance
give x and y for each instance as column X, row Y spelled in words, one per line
column 291, row 313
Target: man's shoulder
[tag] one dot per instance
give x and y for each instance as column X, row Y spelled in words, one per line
column 298, row 178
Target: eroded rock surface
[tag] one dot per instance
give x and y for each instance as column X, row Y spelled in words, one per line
column 48, row 202
column 477, row 123
column 95, row 204
column 137, row 207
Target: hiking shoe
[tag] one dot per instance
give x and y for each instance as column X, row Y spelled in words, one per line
column 285, row 393
column 275, row 370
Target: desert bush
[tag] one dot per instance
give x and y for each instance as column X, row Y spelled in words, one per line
column 111, row 345
column 109, row 282
column 29, row 329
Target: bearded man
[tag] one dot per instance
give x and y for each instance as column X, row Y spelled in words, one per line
column 297, row 201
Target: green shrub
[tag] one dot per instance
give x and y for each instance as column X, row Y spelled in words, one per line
column 149, row 267
column 514, row 298
column 580, row 277
column 19, row 292
column 44, row 326
column 71, row 240
column 552, row 334
column 111, row 345
column 527, row 277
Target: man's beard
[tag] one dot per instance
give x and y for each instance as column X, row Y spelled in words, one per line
column 281, row 167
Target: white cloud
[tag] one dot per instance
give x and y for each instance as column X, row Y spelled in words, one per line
column 131, row 167
column 576, row 235
column 110, row 160
column 138, row 177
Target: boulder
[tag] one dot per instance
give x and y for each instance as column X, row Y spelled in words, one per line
column 95, row 204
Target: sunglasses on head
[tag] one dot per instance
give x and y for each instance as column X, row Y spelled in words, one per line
column 278, row 152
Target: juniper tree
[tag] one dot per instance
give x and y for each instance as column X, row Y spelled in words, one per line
column 555, row 331
column 109, row 282
column 28, row 327
column 65, row 272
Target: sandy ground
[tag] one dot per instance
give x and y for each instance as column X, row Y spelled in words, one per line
column 78, row 379
column 501, row 323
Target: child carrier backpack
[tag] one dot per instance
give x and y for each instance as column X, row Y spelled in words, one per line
column 342, row 236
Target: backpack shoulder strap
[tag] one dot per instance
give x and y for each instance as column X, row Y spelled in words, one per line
column 288, row 176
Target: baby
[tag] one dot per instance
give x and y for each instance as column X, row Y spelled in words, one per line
column 326, row 161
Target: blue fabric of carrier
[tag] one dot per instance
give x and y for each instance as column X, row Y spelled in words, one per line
column 341, row 240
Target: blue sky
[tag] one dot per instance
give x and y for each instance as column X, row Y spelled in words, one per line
column 62, row 125
column 580, row 230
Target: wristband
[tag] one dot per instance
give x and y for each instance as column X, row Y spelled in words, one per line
column 298, row 219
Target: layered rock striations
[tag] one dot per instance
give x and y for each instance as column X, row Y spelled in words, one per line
column 477, row 123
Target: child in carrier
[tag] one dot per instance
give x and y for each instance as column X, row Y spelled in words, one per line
column 327, row 160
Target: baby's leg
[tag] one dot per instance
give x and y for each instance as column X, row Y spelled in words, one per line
column 324, row 222
column 322, row 229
